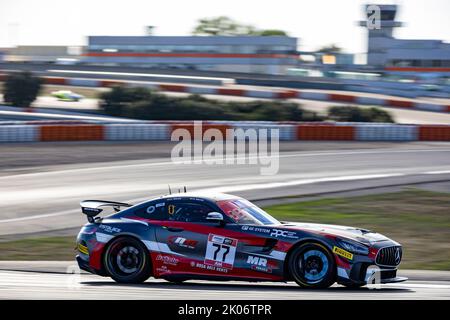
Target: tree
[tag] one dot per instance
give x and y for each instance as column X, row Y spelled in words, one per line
column 222, row 26
column 332, row 48
column 21, row 89
column 272, row 32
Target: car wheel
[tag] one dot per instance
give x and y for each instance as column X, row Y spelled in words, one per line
column 312, row 265
column 127, row 260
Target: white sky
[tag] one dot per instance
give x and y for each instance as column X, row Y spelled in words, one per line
column 315, row 22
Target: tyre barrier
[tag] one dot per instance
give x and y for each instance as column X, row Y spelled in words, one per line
column 262, row 94
column 146, row 132
column 325, row 132
column 386, row 132
column 19, row 133
column 154, row 131
column 84, row 132
column 194, row 133
column 434, row 133
column 285, row 132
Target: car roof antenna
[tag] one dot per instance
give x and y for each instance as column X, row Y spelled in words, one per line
column 185, row 189
column 170, row 191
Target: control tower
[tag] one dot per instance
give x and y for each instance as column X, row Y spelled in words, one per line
column 380, row 23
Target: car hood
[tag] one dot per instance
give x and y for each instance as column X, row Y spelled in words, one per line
column 357, row 234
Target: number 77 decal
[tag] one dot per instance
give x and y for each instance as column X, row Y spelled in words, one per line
column 220, row 251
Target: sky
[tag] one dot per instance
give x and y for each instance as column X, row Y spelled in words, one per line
column 315, row 22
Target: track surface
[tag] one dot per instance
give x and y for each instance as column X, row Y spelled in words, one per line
column 46, row 198
column 35, row 285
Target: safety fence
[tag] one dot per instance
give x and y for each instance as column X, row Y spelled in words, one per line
column 260, row 94
column 162, row 131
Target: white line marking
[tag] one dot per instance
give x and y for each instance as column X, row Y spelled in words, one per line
column 437, row 172
column 139, row 75
column 298, row 182
column 419, row 285
column 39, row 216
column 251, row 156
column 59, row 116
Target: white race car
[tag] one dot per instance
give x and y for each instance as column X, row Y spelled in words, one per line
column 67, row 95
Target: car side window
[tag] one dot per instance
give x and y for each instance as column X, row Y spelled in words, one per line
column 188, row 211
column 155, row 210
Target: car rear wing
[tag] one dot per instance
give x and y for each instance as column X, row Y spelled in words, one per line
column 91, row 208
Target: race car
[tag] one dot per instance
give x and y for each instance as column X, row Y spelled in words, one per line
column 66, row 95
column 185, row 236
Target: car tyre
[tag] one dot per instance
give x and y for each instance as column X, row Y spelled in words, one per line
column 127, row 260
column 312, row 265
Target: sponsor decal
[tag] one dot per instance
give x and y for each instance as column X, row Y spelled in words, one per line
column 103, row 237
column 109, row 229
column 162, row 269
column 220, row 251
column 257, row 261
column 94, row 210
column 343, row 253
column 183, row 242
column 167, row 259
column 208, row 267
column 255, row 229
column 259, row 264
column 197, row 199
column 151, row 209
column 162, row 204
column 83, row 249
column 283, row 233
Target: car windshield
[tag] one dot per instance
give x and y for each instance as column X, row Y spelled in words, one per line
column 244, row 212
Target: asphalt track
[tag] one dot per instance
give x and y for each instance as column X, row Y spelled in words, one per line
column 37, row 285
column 46, row 197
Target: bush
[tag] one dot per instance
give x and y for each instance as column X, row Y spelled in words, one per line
column 21, row 89
column 142, row 103
column 356, row 114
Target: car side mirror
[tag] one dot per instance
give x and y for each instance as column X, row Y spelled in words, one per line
column 215, row 217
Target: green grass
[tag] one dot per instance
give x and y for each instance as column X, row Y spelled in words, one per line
column 51, row 248
column 419, row 220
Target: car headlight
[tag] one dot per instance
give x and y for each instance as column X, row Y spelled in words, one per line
column 353, row 247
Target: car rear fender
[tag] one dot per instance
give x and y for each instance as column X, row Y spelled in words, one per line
column 121, row 235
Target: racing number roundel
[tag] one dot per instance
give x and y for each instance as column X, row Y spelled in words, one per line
column 220, row 251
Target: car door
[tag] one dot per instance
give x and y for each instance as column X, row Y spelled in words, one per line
column 194, row 244
column 190, row 244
